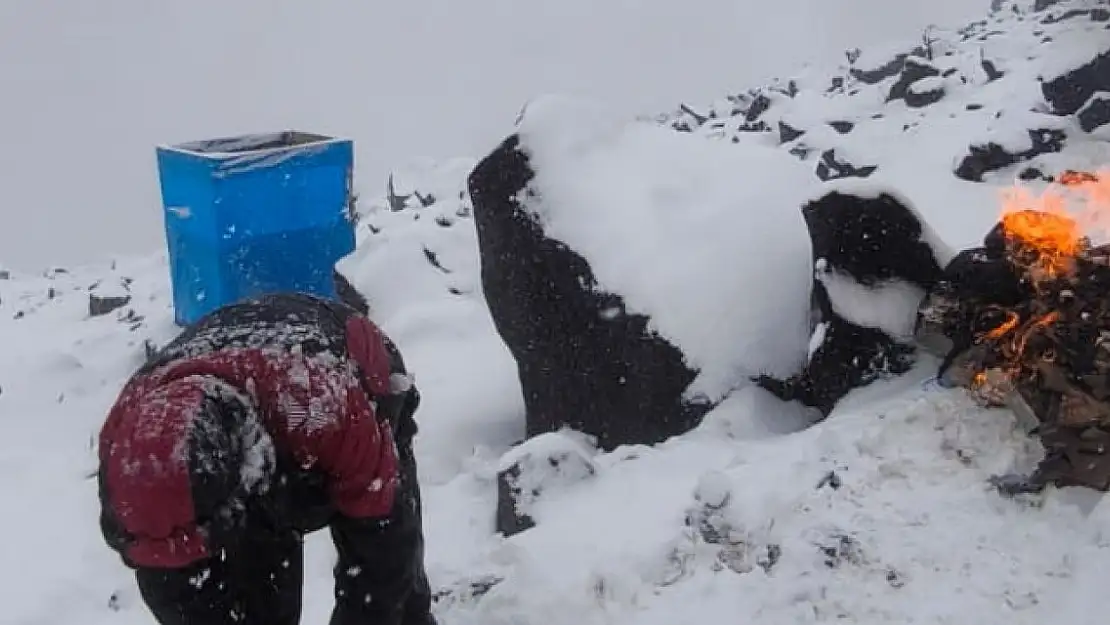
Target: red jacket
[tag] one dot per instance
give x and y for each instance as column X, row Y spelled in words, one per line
column 177, row 449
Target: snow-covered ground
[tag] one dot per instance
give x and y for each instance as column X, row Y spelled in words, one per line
column 881, row 514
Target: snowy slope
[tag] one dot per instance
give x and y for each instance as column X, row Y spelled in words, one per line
column 879, row 515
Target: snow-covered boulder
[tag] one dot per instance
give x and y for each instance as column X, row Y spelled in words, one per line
column 875, row 259
column 637, row 274
column 1068, row 91
column 534, row 470
column 1095, row 113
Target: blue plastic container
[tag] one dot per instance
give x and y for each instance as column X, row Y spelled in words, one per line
column 254, row 214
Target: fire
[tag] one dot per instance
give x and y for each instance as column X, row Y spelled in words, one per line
column 1045, row 235
column 1051, row 239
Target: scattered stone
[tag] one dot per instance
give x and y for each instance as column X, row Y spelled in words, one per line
column 844, row 550
column 895, row 579
column 831, row 479
column 5, row 274
column 444, row 221
column 924, row 92
column 992, row 71
column 991, row 156
column 433, row 260
column 759, row 126
column 843, row 127
column 1067, row 15
column 770, row 557
column 396, row 202
column 1096, row 112
column 1041, row 5
column 788, row 133
column 466, row 592
column 832, row 168
column 913, row 70
column 535, row 467
column 1033, row 173
column 973, row 107
column 103, row 305
column 1068, row 93
column 800, row 151
column 758, row 107
column 878, row 74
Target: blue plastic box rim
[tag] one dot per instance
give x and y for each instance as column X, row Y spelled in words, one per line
column 237, row 150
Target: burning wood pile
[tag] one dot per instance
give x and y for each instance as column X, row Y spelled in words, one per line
column 1025, row 323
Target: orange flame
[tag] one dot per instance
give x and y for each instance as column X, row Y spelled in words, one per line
column 1003, row 328
column 1045, row 235
column 1043, row 228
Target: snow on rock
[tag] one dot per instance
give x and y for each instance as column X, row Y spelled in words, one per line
column 875, row 259
column 677, row 228
column 534, row 470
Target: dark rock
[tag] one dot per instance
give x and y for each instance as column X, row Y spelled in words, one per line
column 5, row 274
column 582, row 360
column 871, row 242
column 801, row 152
column 396, row 202
column 991, row 156
column 1069, row 92
column 872, row 239
column 993, row 73
column 913, row 70
column 1041, row 5
column 837, row 83
column 99, row 305
column 699, row 119
column 843, row 127
column 1066, row 15
column 831, row 479
column 1032, row 173
column 881, row 73
column 973, row 107
column 433, row 260
column 1100, row 15
column 788, row 133
column 1096, row 112
column 832, row 168
column 532, row 470
column 758, row 107
column 759, row 126
column 916, row 97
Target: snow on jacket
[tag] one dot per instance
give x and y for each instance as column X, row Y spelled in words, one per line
column 282, row 384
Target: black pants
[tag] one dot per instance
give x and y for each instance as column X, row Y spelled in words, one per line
column 379, row 576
